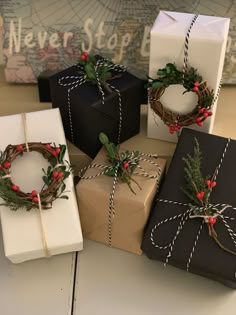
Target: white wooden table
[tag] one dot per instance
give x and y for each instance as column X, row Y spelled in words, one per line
column 103, row 280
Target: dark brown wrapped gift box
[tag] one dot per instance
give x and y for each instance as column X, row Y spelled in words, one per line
column 191, row 248
column 88, row 113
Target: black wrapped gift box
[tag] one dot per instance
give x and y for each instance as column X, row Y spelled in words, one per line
column 90, row 116
column 207, row 259
column 44, row 86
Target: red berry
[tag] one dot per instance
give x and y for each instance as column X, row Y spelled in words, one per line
column 57, row 150
column 7, row 165
column 86, row 54
column 19, row 147
column 48, row 146
column 201, row 110
column 213, row 184
column 205, row 115
column 55, row 174
column 210, row 113
column 196, row 84
column 200, row 123
column 198, row 119
column 35, row 199
column 195, row 89
column 212, row 220
column 200, row 195
column 126, row 165
column 60, row 175
column 15, row 187
column 34, row 192
column 83, row 57
column 1, row 166
column 208, row 182
column 54, row 153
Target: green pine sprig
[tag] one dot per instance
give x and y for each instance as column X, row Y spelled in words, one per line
column 195, row 182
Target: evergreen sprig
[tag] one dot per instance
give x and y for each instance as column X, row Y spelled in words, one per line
column 197, row 187
column 124, row 162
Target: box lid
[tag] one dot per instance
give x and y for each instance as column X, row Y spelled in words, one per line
column 208, row 27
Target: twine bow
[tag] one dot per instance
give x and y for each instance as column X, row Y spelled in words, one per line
column 133, row 158
column 209, row 215
column 73, row 82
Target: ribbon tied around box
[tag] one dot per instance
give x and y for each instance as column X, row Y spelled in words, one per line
column 208, row 213
column 123, row 167
column 96, row 71
column 54, row 186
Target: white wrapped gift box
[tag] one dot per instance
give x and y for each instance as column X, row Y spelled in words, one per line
column 22, row 235
column 207, row 45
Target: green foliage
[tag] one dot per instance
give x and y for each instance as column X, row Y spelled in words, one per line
column 194, row 181
column 55, row 187
column 118, row 160
column 103, row 71
column 171, row 75
column 11, row 199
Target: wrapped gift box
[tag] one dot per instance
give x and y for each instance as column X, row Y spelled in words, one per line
column 207, row 45
column 204, row 257
column 21, row 229
column 131, row 211
column 44, row 86
column 90, row 116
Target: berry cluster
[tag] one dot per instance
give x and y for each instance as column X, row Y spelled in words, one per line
column 203, row 112
column 173, row 128
column 200, row 195
column 84, row 56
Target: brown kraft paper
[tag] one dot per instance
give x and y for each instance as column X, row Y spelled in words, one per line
column 131, row 211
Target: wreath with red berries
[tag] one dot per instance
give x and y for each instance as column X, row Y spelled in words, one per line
column 192, row 82
column 53, row 178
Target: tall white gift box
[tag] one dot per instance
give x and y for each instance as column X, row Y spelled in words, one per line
column 22, row 230
column 206, row 52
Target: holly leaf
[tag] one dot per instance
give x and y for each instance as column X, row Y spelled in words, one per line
column 157, row 84
column 89, row 69
column 66, row 174
column 52, row 160
column 64, row 197
column 46, row 181
column 62, row 152
column 63, row 187
column 109, row 172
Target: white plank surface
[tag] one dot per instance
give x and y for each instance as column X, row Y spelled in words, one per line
column 38, row 287
column 113, row 282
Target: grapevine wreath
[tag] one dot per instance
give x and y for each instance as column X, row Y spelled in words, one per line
column 53, row 177
column 191, row 81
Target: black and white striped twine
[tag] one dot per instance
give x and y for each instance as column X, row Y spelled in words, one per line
column 73, row 82
column 141, row 157
column 185, row 216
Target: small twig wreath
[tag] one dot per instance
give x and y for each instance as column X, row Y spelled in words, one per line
column 192, row 82
column 53, row 177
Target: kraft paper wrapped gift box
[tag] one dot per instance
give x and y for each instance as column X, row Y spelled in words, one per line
column 22, row 235
column 89, row 116
column 193, row 248
column 131, row 210
column 206, row 52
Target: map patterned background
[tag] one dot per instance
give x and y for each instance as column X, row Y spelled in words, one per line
column 117, row 29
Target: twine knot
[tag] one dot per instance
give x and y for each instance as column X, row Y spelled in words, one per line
column 98, row 71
